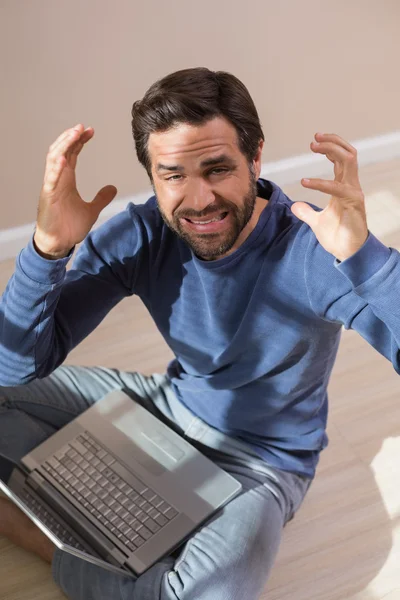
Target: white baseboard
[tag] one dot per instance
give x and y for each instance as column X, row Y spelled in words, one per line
column 283, row 172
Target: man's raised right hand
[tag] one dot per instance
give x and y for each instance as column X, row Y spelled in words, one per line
column 64, row 219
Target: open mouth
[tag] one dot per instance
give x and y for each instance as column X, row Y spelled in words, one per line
column 204, row 225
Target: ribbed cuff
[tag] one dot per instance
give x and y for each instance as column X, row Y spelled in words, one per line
column 39, row 269
column 367, row 261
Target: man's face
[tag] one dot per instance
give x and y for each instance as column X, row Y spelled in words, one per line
column 191, row 194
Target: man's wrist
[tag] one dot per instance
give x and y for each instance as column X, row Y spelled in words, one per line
column 49, row 255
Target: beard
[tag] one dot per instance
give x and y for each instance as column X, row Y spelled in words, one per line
column 210, row 246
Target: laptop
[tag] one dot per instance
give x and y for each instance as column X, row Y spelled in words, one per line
column 117, row 487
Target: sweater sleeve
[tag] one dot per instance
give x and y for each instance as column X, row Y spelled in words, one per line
column 361, row 292
column 45, row 310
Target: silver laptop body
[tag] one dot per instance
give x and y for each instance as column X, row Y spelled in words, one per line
column 118, row 487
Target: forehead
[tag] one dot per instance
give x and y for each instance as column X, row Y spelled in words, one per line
column 192, row 141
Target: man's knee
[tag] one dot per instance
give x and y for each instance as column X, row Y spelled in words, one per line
column 214, row 567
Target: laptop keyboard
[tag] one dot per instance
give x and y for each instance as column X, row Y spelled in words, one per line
column 51, row 522
column 132, row 511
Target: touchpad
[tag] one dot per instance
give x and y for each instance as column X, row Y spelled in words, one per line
column 146, row 439
column 161, row 442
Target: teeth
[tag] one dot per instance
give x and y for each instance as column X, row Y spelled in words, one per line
column 205, row 222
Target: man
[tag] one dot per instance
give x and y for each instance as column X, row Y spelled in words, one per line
column 249, row 289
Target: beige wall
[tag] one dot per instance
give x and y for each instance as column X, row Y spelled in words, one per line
column 309, row 65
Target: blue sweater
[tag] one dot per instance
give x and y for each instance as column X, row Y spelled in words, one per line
column 255, row 334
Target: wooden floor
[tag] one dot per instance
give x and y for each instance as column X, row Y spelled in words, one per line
column 344, row 543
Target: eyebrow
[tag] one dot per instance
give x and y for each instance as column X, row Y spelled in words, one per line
column 209, row 162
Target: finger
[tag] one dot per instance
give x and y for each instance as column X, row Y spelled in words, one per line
column 337, row 154
column 85, row 137
column 54, row 162
column 67, row 141
column 64, row 135
column 334, row 188
column 72, row 154
column 332, row 151
column 333, row 137
column 54, row 168
column 103, row 198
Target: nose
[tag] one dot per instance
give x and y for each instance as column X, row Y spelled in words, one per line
column 199, row 195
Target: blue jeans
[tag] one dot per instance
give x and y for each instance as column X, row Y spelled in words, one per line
column 229, row 558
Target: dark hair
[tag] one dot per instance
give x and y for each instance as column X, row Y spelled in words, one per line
column 195, row 96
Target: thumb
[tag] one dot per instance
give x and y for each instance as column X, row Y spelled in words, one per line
column 305, row 213
column 103, row 198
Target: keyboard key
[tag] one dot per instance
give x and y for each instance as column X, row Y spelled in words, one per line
column 132, row 495
column 153, row 513
column 142, row 517
column 171, row 513
column 139, row 541
column 163, row 507
column 131, row 546
column 149, row 495
column 132, row 522
column 156, row 501
column 152, row 525
column 161, row 520
column 144, row 532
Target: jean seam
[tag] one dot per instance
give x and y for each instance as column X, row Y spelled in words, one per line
column 28, row 400
column 55, row 567
column 33, row 421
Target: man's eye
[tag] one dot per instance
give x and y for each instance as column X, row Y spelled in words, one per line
column 173, row 176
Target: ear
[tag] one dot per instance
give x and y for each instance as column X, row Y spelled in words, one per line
column 257, row 160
